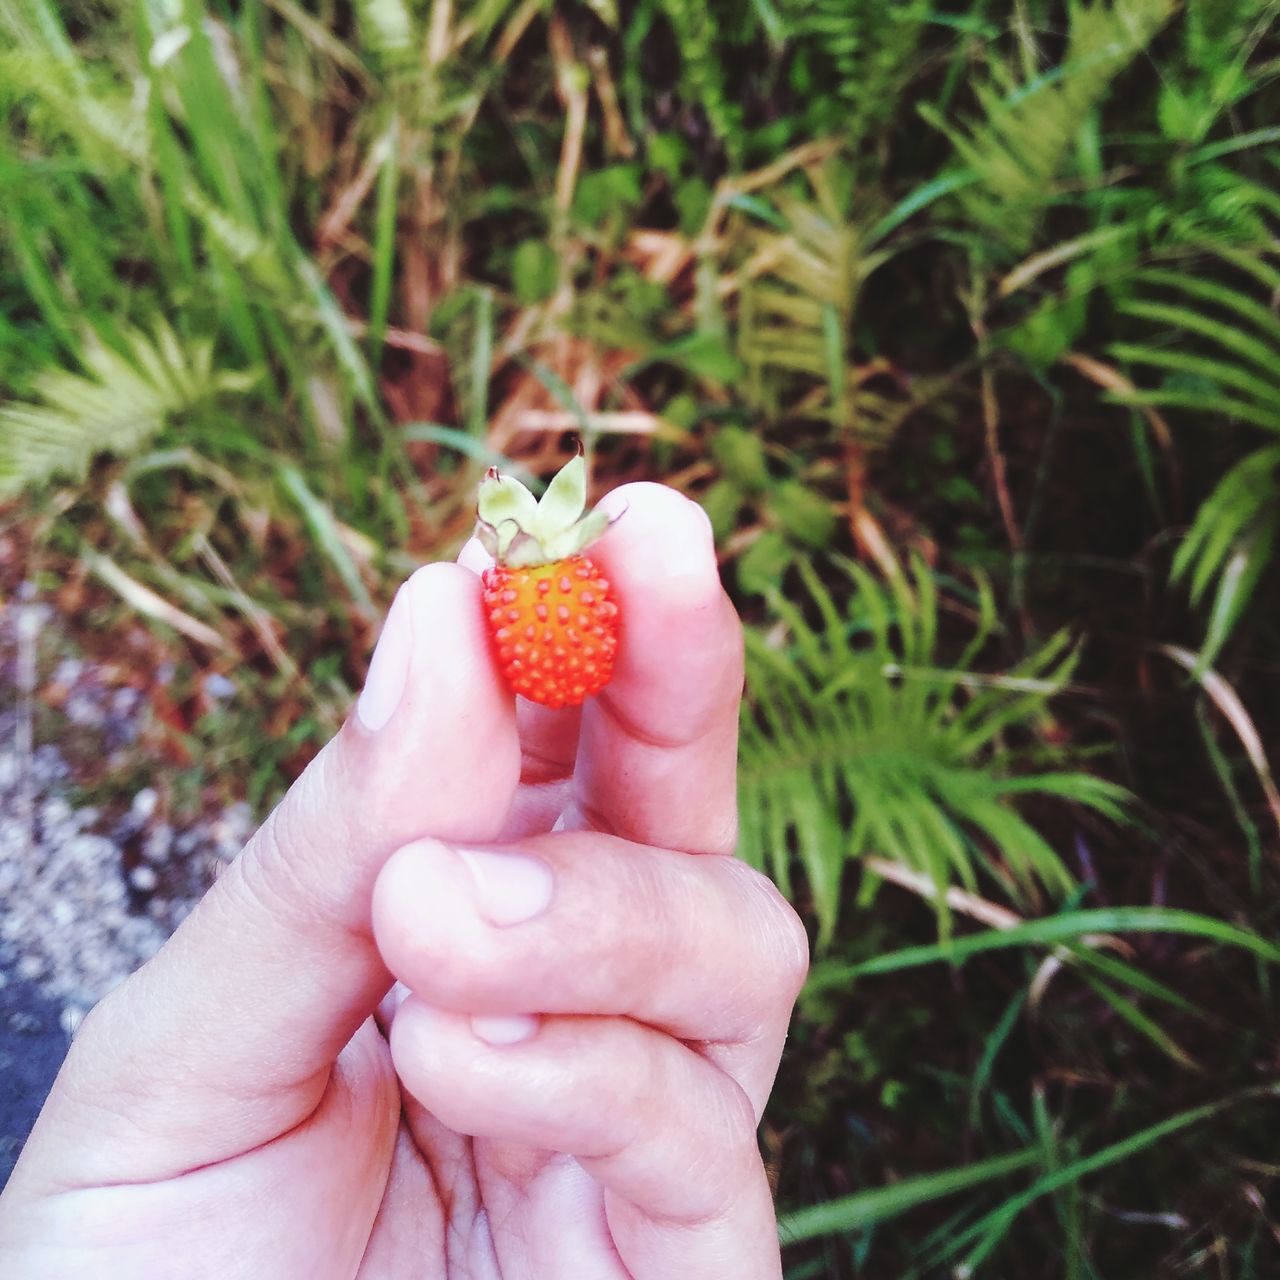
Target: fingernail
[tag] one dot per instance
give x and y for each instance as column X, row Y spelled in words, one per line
column 511, row 1029
column 510, row 887
column 389, row 669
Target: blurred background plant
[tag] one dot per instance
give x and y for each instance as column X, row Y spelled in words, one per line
column 961, row 321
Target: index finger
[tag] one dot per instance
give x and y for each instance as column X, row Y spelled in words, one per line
column 227, row 1037
column 657, row 754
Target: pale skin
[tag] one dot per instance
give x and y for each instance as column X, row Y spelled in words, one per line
column 590, row 997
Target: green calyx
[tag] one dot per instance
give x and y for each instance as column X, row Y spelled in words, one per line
column 520, row 530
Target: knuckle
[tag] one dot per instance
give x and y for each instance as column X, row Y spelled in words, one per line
column 108, row 1080
column 742, row 1121
column 730, row 1150
column 781, row 935
column 795, row 954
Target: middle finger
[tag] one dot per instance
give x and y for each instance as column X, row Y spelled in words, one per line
column 580, row 923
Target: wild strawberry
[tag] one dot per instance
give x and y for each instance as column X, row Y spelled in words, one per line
column 551, row 612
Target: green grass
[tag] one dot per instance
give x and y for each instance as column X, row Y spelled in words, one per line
column 959, row 320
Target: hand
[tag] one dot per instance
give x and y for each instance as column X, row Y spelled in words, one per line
column 593, row 993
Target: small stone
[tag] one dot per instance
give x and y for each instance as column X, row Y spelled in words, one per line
column 144, row 803
column 83, row 709
column 124, row 701
column 55, row 812
column 24, row 1023
column 139, row 938
column 111, row 891
column 217, row 686
column 47, row 765
column 68, row 671
column 89, row 850
column 143, row 878
column 158, row 843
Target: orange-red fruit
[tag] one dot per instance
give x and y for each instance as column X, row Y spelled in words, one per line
column 554, row 628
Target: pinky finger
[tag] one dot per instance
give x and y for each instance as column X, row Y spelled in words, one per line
column 669, row 1138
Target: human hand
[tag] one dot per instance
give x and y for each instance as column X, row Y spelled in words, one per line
column 592, row 999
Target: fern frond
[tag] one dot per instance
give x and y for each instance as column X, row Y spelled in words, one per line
column 1218, row 350
column 106, row 122
column 855, row 741
column 799, row 296
column 117, row 405
column 1234, row 537
column 697, row 34
column 872, row 49
column 1021, row 143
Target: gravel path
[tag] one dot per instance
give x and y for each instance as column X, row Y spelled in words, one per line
column 86, row 895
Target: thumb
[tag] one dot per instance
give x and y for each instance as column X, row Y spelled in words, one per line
column 227, row 1037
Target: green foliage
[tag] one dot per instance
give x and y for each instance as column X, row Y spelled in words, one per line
column 857, row 741
column 534, row 271
column 1224, row 361
column 867, row 52
column 697, row 32
column 213, row 210
column 1019, row 147
column 805, row 259
column 388, row 30
column 119, row 405
column 1220, row 39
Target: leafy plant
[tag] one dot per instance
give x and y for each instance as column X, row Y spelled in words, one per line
column 118, row 405
column 803, row 255
column 801, row 281
column 1018, row 149
column 872, row 49
column 856, row 740
column 1218, row 349
column 697, row 31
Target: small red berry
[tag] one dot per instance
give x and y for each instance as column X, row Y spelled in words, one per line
column 571, row 663
column 553, row 618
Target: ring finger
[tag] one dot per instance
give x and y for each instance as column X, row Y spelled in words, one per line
column 669, row 1137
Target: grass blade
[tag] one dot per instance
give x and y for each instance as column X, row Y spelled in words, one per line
column 1071, row 925
column 324, row 528
column 866, row 1208
column 991, row 1228
column 384, row 243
